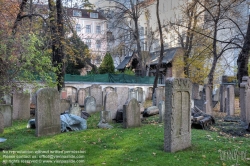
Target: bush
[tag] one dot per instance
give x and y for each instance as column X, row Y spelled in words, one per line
column 107, row 65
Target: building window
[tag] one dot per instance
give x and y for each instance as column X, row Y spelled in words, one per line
column 98, row 43
column 88, row 28
column 98, row 29
column 77, row 13
column 93, row 15
column 78, row 27
column 88, row 42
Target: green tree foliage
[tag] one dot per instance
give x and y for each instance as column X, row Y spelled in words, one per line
column 77, row 53
column 107, row 65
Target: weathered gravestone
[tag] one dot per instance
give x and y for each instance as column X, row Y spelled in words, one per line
column 90, row 104
column 133, row 94
column 207, row 108
column 47, row 112
column 96, row 92
column 230, row 106
column 140, row 95
column 131, row 114
column 64, row 105
column 106, row 91
column 245, row 99
column 75, row 109
column 161, row 107
column 21, row 105
column 6, row 111
column 216, row 96
column 150, row 93
column 111, row 104
column 71, row 94
column 177, row 122
column 195, row 92
column 82, row 94
column 1, row 123
column 122, row 93
column 160, row 95
column 223, row 97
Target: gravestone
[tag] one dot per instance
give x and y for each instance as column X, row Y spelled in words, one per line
column 75, row 109
column 105, row 91
column 140, row 95
column 161, row 107
column 216, row 96
column 63, row 95
column 64, row 105
column 90, row 104
column 207, row 108
column 71, row 94
column 96, row 92
column 150, row 93
column 122, row 93
column 133, row 94
column 111, row 104
column 47, row 112
column 195, row 92
column 223, row 97
column 21, row 105
column 1, row 123
column 82, row 94
column 177, row 118
column 230, row 105
column 160, row 95
column 7, row 112
column 244, row 99
column 131, row 114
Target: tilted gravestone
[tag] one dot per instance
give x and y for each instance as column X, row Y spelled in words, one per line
column 230, row 105
column 122, row 93
column 21, row 105
column 161, row 107
column 111, row 104
column 81, row 95
column 1, row 123
column 131, row 114
column 90, row 104
column 47, row 112
column 96, row 92
column 7, row 112
column 177, row 122
column 244, row 99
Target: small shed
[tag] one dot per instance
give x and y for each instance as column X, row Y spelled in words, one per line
column 171, row 65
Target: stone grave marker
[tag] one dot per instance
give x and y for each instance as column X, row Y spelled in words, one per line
column 90, row 104
column 122, row 93
column 195, row 91
column 21, row 105
column 7, row 112
column 160, row 95
column 216, row 96
column 71, row 94
column 1, row 123
column 177, row 122
column 245, row 99
column 140, row 95
column 133, row 94
column 131, row 114
column 75, row 109
column 64, row 105
column 150, row 93
column 223, row 97
column 161, row 107
column 81, row 95
column 96, row 92
column 230, row 105
column 106, row 91
column 47, row 112
column 207, row 108
column 111, row 104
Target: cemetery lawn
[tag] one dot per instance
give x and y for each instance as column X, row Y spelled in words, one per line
column 142, row 146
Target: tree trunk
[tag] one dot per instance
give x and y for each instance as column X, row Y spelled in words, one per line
column 243, row 58
column 162, row 48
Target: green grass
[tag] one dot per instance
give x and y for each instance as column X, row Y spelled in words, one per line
column 141, row 146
